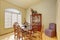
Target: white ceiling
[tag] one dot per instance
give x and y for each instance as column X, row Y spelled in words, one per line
column 23, row 3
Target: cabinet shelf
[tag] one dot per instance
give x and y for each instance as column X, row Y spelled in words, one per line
column 36, row 21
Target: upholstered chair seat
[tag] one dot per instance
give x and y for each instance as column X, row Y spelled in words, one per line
column 51, row 31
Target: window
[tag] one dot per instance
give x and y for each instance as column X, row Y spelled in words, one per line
column 11, row 16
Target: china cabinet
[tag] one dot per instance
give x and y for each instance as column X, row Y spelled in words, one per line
column 36, row 21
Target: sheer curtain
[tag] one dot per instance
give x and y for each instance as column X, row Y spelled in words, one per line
column 10, row 18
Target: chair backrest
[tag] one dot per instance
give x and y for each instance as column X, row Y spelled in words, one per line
column 52, row 26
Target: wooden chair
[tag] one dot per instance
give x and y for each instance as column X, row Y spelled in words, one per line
column 15, row 29
column 19, row 33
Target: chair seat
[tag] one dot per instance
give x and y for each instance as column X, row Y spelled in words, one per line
column 51, row 31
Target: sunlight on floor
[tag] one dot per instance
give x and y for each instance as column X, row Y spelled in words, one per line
column 11, row 37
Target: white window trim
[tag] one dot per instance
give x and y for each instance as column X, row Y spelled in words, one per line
column 11, row 17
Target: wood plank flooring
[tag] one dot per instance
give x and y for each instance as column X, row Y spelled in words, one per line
column 11, row 37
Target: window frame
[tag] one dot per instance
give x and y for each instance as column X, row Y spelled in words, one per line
column 11, row 17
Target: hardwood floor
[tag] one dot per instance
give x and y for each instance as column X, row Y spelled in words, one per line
column 37, row 37
column 48, row 38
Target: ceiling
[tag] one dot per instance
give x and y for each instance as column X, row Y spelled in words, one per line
column 23, row 3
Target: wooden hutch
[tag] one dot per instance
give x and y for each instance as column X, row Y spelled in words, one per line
column 36, row 21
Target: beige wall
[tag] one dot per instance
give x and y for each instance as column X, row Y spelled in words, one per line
column 3, row 6
column 58, row 19
column 48, row 10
